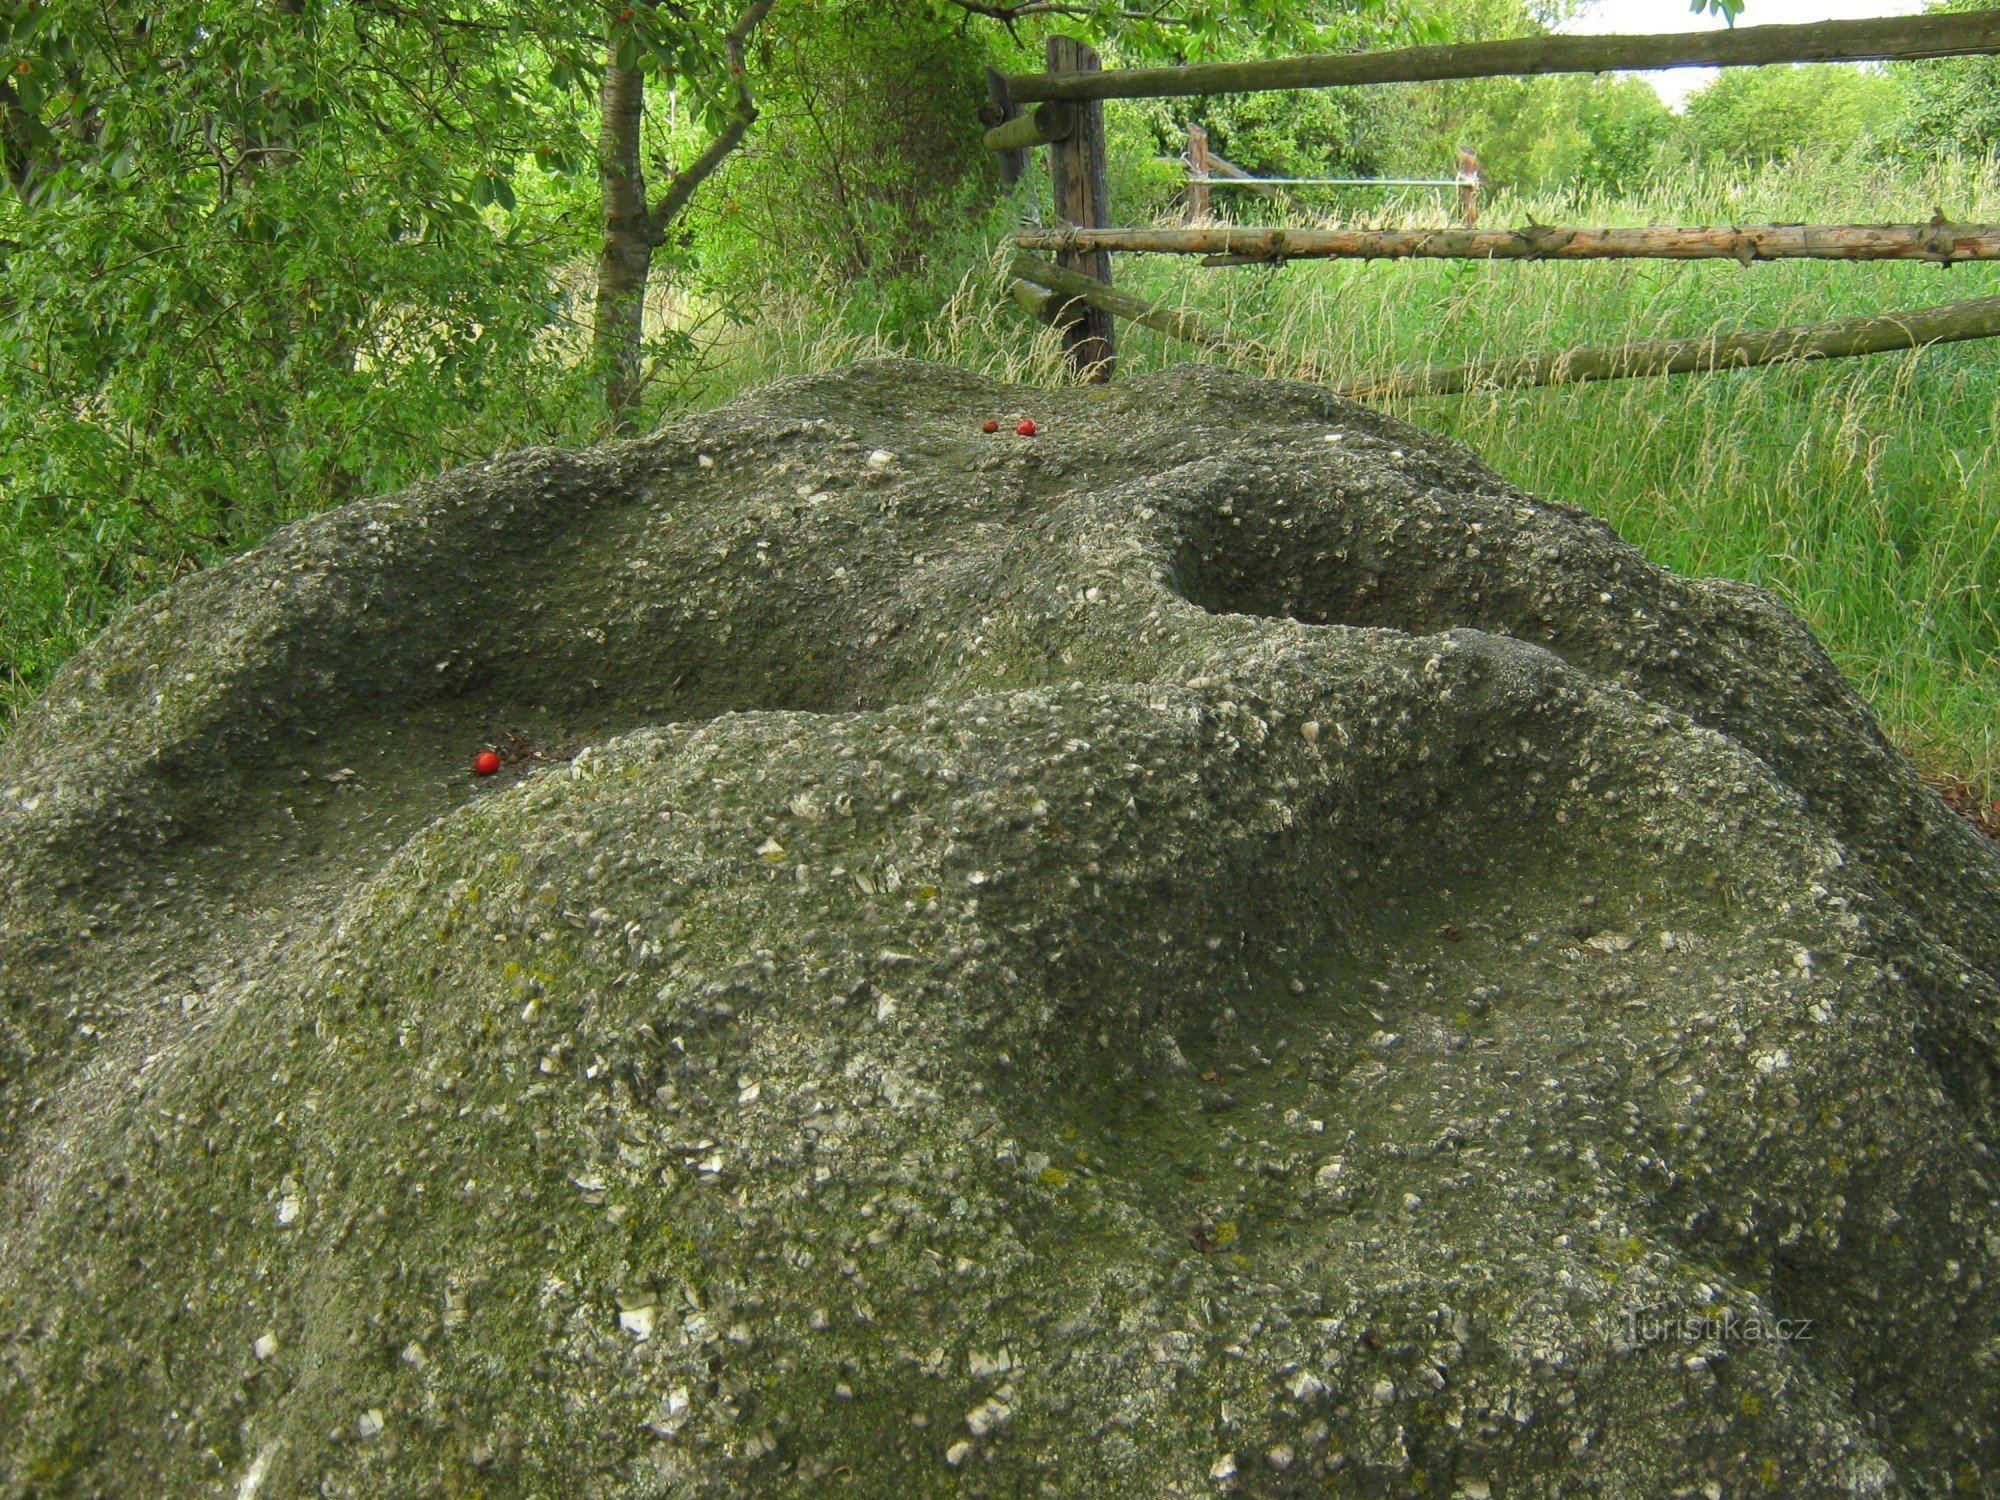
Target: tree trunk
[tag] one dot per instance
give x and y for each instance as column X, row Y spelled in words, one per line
column 625, row 260
column 632, row 227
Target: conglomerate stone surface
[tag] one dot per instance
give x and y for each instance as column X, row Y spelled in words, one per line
column 1220, row 949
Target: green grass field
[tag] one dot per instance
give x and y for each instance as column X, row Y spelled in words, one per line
column 1865, row 492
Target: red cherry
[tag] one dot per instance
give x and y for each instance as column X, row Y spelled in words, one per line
column 990, row 427
column 485, row 763
column 1026, row 429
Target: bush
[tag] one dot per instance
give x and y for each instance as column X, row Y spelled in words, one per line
column 1313, row 133
column 190, row 355
column 867, row 151
column 1751, row 116
column 1951, row 106
column 1561, row 132
column 1569, row 133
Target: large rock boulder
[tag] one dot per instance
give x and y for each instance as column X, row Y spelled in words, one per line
column 1219, row 948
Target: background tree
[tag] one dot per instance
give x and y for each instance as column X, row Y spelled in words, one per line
column 867, row 157
column 1574, row 131
column 1753, row 115
column 1950, row 106
column 259, row 258
column 683, row 43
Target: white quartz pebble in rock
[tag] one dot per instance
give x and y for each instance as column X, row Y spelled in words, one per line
column 988, row 1415
column 979, row 1362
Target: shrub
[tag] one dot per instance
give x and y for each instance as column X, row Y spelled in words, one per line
column 867, row 150
column 1750, row 116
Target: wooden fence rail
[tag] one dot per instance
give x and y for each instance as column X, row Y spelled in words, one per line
column 1882, row 333
column 1959, row 34
column 1243, row 244
column 1056, row 294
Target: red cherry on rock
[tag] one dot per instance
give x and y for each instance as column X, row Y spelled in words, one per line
column 1026, row 429
column 991, row 427
column 485, row 763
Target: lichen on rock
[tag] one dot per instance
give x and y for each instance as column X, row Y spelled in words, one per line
column 1218, row 949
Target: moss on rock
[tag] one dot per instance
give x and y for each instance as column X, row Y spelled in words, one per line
column 1219, row 949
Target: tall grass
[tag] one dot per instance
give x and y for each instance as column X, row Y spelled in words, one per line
column 1864, row 492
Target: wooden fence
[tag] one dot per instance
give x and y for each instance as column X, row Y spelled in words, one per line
column 1076, row 293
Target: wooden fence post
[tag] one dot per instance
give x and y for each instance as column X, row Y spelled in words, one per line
column 1000, row 108
column 1197, row 175
column 1082, row 194
column 1468, row 188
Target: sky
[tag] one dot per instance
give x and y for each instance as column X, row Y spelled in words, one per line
column 1638, row 17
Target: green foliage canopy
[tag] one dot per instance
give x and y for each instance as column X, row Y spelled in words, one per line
column 868, row 148
column 1951, row 106
column 1753, row 115
column 259, row 258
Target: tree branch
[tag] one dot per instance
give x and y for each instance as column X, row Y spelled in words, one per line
column 682, row 188
column 1007, row 15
